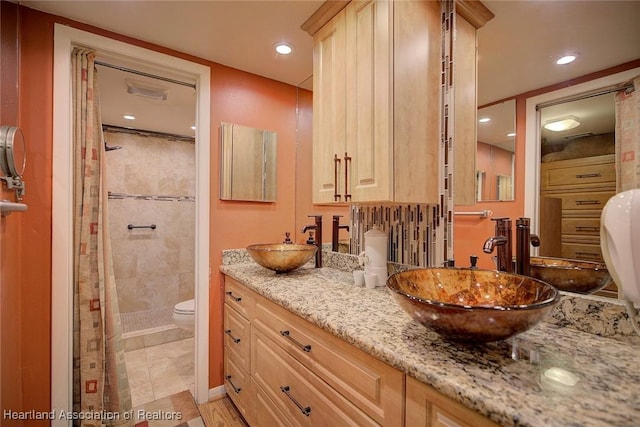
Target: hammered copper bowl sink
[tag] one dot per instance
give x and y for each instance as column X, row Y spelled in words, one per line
column 571, row 275
column 281, row 257
column 471, row 305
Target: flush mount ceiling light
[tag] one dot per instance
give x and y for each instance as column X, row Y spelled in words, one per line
column 562, row 123
column 567, row 59
column 128, row 117
column 283, row 48
column 484, row 120
column 146, row 90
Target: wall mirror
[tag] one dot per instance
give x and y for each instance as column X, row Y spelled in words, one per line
column 13, row 158
column 247, row 163
column 495, row 156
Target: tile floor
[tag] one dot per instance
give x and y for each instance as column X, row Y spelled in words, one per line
column 161, row 370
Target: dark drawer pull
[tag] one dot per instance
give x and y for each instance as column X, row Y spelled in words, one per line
column 235, row 340
column 306, row 410
column 236, row 389
column 236, row 299
column 589, row 175
column 588, row 202
column 587, row 228
column 287, row 335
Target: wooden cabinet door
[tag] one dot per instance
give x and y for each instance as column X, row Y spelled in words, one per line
column 369, row 95
column 329, row 132
column 427, row 407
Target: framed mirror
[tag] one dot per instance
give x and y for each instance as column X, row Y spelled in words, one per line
column 247, row 163
column 13, row 158
column 495, row 155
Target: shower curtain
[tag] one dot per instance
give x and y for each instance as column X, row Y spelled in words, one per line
column 628, row 137
column 100, row 384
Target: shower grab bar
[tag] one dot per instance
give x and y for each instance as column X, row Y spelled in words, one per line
column 131, row 226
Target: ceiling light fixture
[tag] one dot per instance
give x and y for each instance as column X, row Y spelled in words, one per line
column 562, row 124
column 484, row 120
column 129, row 117
column 512, row 134
column 567, row 59
column 193, row 127
column 283, row 48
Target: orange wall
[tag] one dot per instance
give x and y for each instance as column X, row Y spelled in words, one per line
column 236, row 97
column 10, row 227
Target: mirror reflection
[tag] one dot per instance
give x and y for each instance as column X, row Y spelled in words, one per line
column 495, row 156
column 577, row 177
column 247, row 163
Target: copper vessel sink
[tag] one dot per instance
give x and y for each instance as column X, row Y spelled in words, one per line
column 472, row 305
column 571, row 275
column 281, row 257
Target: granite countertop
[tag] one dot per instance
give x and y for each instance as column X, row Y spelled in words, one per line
column 498, row 380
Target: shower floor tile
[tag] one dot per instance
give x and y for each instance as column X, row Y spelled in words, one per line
column 140, row 320
column 161, row 370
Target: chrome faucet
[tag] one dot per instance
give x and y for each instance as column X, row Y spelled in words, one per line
column 318, row 242
column 524, row 239
column 336, row 231
column 502, row 239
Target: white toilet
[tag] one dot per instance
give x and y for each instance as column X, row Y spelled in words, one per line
column 184, row 315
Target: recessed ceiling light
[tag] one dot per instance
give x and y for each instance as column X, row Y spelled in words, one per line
column 511, row 134
column 566, row 59
column 283, row 49
column 484, row 120
column 562, row 123
column 129, row 117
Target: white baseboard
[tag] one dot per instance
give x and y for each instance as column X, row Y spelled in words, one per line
column 217, row 392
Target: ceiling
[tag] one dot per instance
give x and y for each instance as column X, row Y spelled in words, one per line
column 517, row 48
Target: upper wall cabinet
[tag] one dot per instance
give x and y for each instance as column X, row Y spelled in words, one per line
column 377, row 103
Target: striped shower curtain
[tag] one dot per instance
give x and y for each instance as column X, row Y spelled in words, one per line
column 628, row 137
column 100, row 384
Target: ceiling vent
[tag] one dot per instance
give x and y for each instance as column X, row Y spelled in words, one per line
column 159, row 93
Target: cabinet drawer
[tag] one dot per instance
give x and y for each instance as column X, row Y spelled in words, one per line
column 238, row 297
column 594, row 200
column 598, row 172
column 237, row 337
column 370, row 384
column 581, row 226
column 587, row 252
column 266, row 412
column 304, row 398
column 239, row 388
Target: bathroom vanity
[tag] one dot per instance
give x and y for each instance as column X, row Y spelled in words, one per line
column 310, row 348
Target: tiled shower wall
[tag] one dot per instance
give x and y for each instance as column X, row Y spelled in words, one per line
column 151, row 180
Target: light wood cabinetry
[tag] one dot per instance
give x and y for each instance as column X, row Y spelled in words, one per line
column 377, row 101
column 584, row 186
column 426, row 407
column 377, row 104
column 238, row 309
column 298, row 374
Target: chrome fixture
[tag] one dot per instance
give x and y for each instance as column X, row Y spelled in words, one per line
column 317, row 227
column 336, row 231
column 502, row 239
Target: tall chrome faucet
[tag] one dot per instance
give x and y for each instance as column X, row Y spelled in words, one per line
column 502, row 239
column 524, row 239
column 336, row 231
column 318, row 242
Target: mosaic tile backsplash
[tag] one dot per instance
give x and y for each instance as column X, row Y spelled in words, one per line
column 412, row 231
